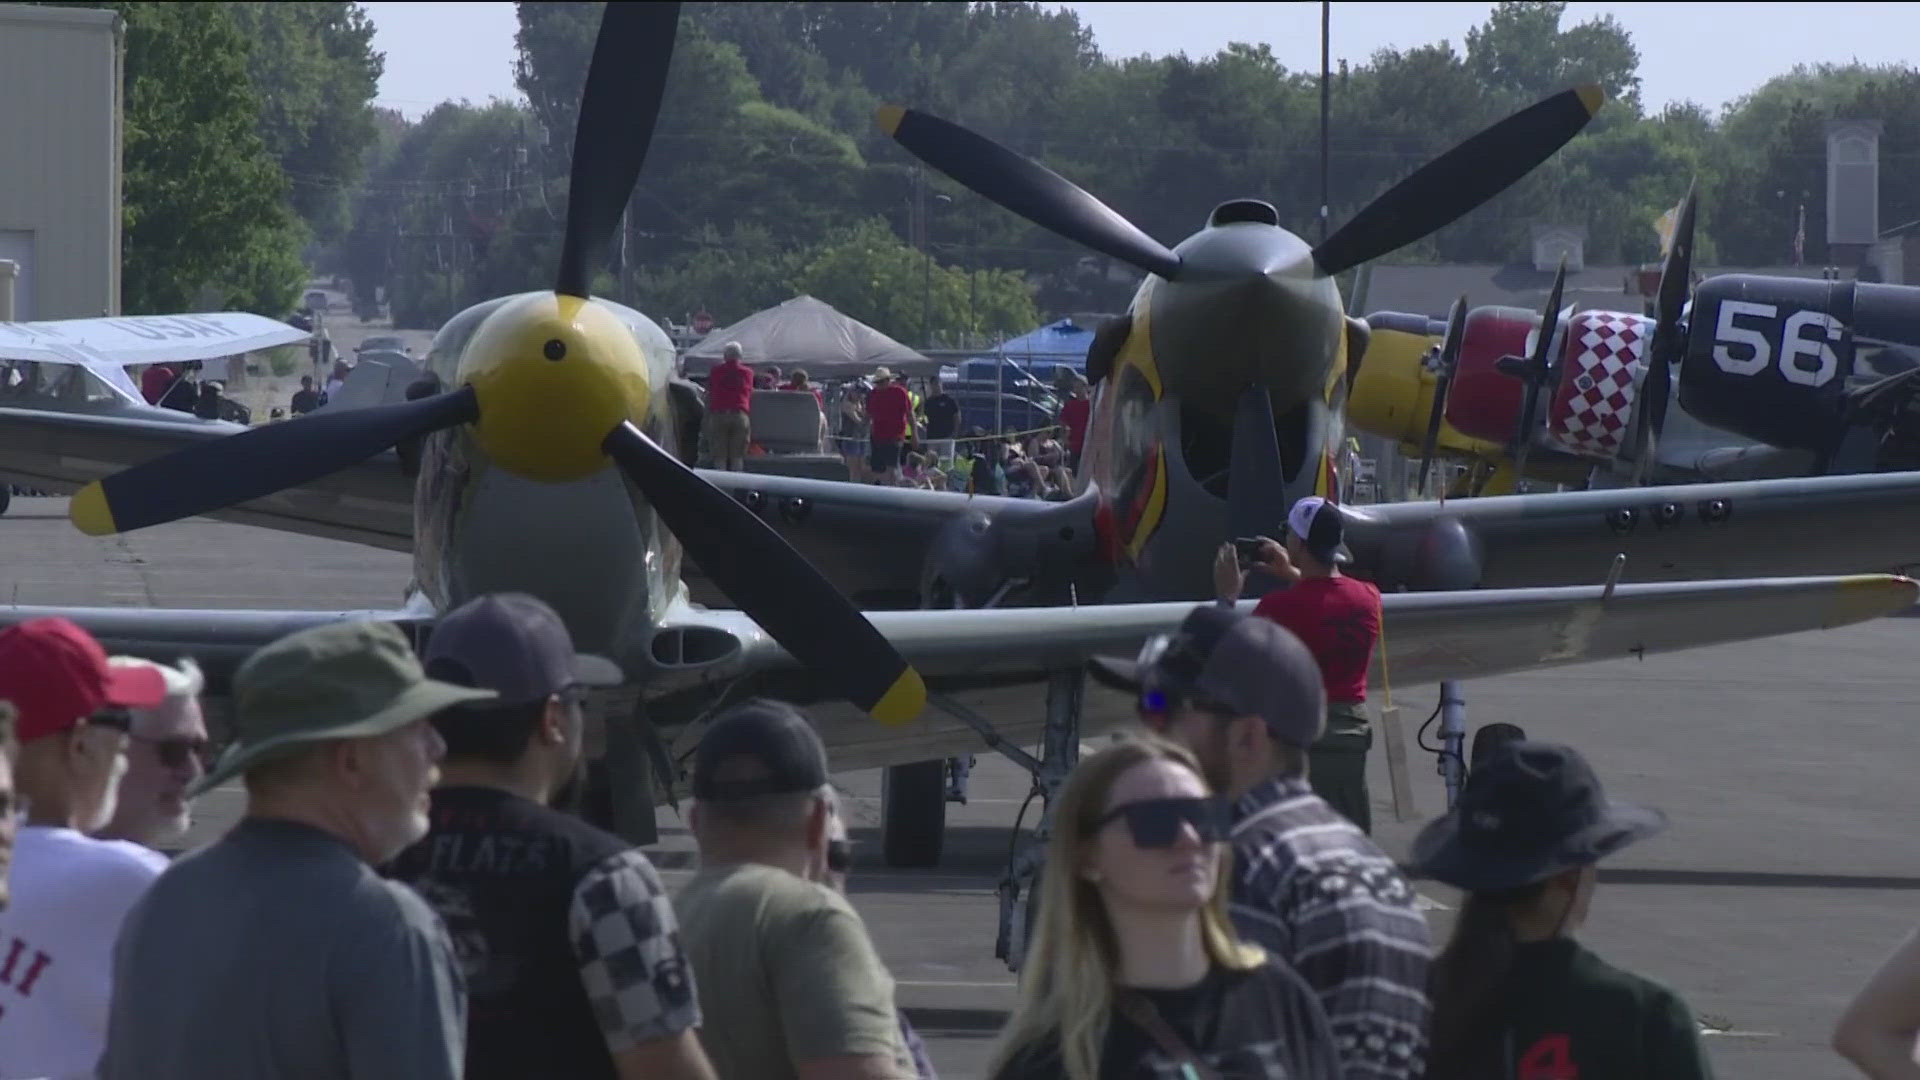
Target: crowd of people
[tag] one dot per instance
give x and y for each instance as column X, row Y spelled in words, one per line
column 402, row 896
column 890, row 433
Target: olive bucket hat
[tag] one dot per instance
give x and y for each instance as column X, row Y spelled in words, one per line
column 345, row 680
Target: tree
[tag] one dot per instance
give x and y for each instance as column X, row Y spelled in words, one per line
column 871, row 276
column 205, row 204
column 1521, row 54
column 315, row 74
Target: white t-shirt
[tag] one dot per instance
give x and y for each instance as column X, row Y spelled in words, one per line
column 70, row 894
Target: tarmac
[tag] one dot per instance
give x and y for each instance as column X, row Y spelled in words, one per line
column 1788, row 873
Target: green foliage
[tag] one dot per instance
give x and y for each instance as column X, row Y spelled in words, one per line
column 286, row 359
column 205, row 204
column 871, row 276
column 315, row 74
column 768, row 176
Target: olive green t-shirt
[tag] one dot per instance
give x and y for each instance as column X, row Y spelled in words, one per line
column 785, row 973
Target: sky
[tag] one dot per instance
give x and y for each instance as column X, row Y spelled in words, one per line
column 1710, row 53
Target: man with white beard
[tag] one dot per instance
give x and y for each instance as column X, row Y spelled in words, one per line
column 70, row 892
column 165, row 755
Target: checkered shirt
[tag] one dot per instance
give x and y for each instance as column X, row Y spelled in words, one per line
column 627, row 942
column 1311, row 889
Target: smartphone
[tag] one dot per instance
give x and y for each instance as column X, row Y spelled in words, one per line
column 1247, row 548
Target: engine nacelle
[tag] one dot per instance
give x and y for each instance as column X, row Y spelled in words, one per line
column 1772, row 358
column 1484, row 402
column 1391, row 395
column 1602, row 364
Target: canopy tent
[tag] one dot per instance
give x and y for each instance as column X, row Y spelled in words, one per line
column 809, row 334
column 1063, row 342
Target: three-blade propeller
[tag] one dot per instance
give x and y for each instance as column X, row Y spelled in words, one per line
column 1537, row 372
column 759, row 570
column 1669, row 342
column 1445, row 365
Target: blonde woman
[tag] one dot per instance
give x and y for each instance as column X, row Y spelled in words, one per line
column 1134, row 969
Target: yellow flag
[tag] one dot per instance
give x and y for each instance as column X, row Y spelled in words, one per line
column 1664, row 226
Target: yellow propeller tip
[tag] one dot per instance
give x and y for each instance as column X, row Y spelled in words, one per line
column 89, row 511
column 889, row 117
column 903, row 701
column 1592, row 97
column 1872, row 596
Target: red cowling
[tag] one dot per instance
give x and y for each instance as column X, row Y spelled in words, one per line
column 1484, row 403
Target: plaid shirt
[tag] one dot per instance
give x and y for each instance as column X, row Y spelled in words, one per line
column 1313, row 890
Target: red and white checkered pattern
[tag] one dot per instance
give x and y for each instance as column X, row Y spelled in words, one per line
column 1601, row 363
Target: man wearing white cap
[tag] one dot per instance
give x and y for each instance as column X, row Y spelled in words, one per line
column 1338, row 617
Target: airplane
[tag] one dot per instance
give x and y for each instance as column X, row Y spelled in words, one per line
column 1777, row 377
column 79, row 366
column 549, row 459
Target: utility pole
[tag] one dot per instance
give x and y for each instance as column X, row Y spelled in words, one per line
column 1326, row 86
column 926, row 251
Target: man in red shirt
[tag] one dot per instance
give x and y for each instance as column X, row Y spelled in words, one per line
column 1338, row 617
column 890, row 415
column 154, row 382
column 1073, row 416
column 729, row 401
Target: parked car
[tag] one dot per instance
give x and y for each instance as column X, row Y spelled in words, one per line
column 1015, row 412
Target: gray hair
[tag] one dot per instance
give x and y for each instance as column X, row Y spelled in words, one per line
column 731, row 351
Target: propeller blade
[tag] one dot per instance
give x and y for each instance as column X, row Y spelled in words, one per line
column 1663, row 352
column 1256, row 489
column 258, row 462
column 1540, row 368
column 1459, row 180
column 1025, row 187
column 772, row 583
column 626, row 81
column 1449, row 360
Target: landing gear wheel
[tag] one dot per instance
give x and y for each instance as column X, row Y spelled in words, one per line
column 913, row 813
column 6, row 497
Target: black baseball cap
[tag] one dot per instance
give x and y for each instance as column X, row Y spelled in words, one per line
column 759, row 747
column 1251, row 665
column 515, row 645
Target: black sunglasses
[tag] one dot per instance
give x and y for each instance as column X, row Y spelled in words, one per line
column 839, row 856
column 112, row 717
column 1155, row 823
column 175, row 753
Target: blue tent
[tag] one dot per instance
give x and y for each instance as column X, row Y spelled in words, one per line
column 1060, row 342
column 1037, row 353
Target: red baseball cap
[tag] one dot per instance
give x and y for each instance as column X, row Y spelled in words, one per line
column 57, row 675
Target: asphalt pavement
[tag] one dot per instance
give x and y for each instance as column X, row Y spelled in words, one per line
column 1789, row 871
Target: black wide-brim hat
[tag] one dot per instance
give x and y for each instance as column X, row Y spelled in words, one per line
column 1530, row 811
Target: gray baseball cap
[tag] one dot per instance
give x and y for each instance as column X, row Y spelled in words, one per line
column 515, row 645
column 1250, row 665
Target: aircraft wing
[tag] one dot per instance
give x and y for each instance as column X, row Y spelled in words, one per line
column 219, row 639
column 873, row 542
column 1429, row 636
column 145, row 339
column 991, row 660
column 1863, row 523
column 371, row 503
